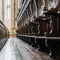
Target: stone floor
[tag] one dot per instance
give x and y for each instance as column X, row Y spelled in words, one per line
column 15, row 49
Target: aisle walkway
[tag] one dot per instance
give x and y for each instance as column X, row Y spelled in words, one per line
column 15, row 49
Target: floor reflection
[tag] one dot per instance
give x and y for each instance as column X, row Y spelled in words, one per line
column 15, row 49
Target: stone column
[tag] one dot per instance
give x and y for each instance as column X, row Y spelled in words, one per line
column 14, row 6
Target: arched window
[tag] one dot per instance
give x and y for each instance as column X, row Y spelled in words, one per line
column 8, row 9
column 35, row 8
column 52, row 4
column 41, row 9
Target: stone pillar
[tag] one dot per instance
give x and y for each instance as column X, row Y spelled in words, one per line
column 3, row 10
column 14, row 8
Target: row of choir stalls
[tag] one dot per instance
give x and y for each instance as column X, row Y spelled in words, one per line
column 39, row 26
column 4, row 34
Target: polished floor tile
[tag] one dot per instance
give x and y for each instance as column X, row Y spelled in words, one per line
column 15, row 49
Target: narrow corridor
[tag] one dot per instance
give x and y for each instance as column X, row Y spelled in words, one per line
column 15, row 49
column 34, row 27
